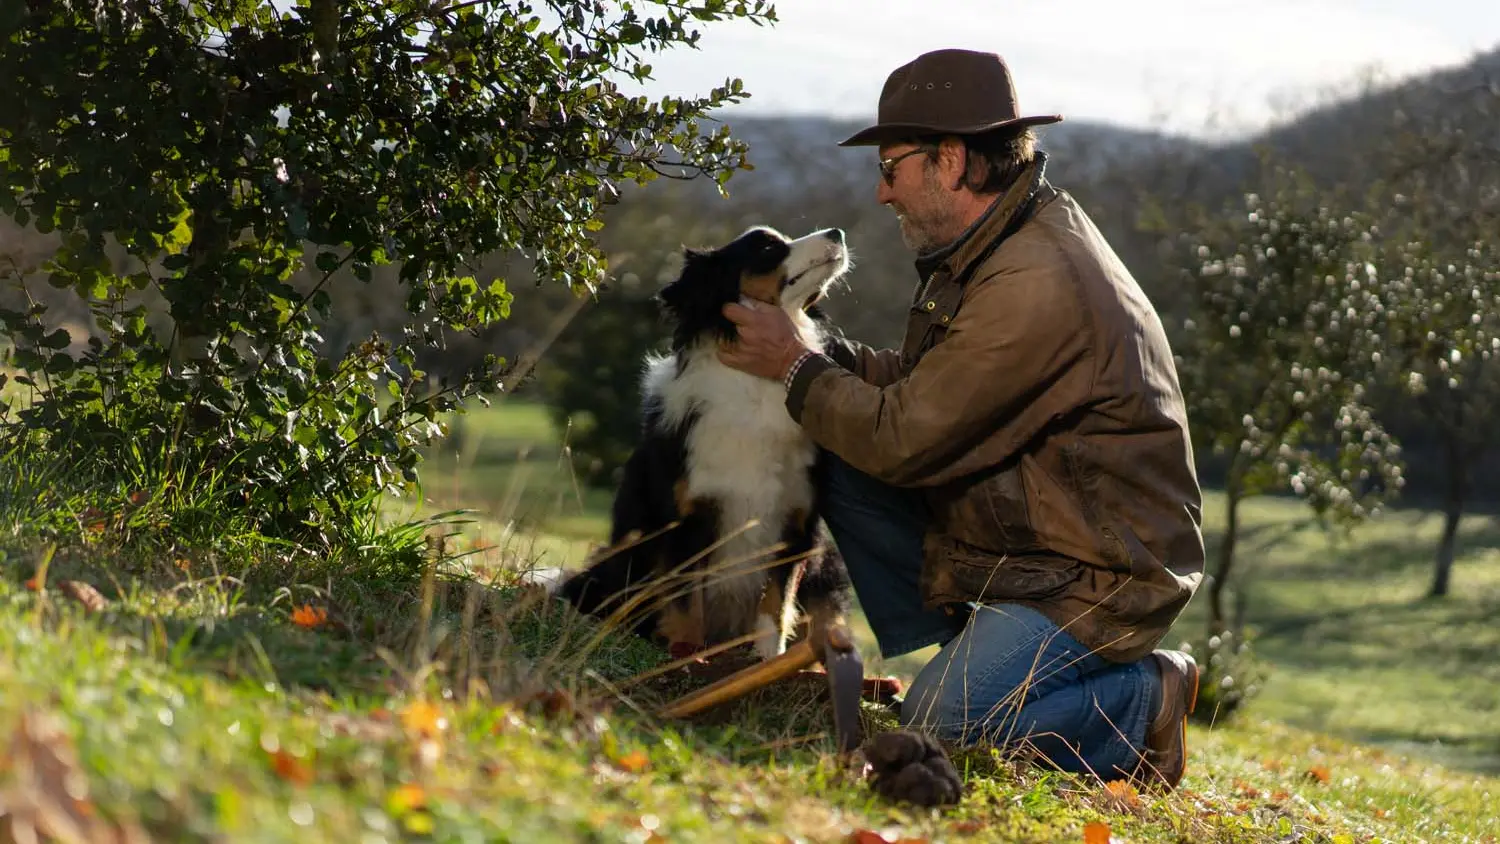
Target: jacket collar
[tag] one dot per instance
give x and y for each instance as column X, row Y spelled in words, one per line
column 1009, row 210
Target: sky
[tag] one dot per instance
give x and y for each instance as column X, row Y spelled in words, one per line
column 1207, row 68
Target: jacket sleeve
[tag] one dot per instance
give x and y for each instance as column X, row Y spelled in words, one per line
column 1016, row 355
column 873, row 366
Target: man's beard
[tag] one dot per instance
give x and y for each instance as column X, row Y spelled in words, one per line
column 918, row 238
column 923, row 232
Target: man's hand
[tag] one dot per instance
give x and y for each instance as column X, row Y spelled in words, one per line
column 768, row 344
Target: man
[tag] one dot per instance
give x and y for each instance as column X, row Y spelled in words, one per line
column 1016, row 482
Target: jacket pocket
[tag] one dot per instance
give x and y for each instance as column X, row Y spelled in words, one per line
column 991, row 513
column 984, row 576
column 1085, row 485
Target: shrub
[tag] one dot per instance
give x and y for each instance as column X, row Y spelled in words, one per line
column 194, row 156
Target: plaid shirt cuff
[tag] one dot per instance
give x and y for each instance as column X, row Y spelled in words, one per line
column 791, row 373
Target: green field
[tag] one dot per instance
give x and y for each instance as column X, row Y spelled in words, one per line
column 193, row 706
column 1344, row 622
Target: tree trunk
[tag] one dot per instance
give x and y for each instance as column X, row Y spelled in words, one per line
column 1453, row 513
column 1217, row 616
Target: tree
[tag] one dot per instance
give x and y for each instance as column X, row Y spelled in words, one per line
column 1276, row 358
column 1445, row 351
column 221, row 145
column 1435, row 167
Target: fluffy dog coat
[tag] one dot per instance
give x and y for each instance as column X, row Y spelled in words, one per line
column 715, row 532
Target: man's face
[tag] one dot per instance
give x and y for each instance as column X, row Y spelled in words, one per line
column 909, row 184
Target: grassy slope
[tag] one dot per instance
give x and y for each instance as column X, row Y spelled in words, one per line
column 197, row 707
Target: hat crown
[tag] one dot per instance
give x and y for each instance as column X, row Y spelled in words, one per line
column 950, row 87
column 948, row 91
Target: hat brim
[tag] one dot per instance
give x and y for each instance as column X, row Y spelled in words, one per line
column 884, row 132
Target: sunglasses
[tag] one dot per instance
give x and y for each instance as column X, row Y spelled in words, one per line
column 888, row 165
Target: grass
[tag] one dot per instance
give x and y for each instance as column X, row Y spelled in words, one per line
column 454, row 704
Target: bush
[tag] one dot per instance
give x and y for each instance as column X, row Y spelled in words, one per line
column 1232, row 675
column 199, row 154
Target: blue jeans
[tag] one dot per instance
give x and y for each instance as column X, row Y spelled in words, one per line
column 1006, row 674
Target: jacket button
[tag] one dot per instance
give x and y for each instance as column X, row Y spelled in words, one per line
column 930, row 305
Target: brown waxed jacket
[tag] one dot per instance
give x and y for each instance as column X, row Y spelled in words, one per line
column 1036, row 403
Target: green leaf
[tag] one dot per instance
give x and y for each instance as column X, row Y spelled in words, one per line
column 328, row 262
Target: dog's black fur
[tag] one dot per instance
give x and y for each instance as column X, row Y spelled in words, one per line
column 661, row 530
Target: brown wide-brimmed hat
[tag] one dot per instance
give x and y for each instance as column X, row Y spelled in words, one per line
column 947, row 92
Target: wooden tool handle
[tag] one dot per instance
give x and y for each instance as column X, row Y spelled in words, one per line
column 744, row 681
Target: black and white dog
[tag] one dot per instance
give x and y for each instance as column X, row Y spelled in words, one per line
column 716, row 517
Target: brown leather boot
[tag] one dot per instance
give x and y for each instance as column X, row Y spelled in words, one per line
column 1165, row 759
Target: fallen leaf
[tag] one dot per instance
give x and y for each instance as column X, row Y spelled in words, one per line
column 635, row 761
column 1096, row 833
column 1121, row 796
column 309, row 616
column 406, row 797
column 866, row 836
column 423, row 718
column 290, row 768
column 85, row 594
column 1245, row 789
column 1319, row 773
column 46, row 798
column 554, row 703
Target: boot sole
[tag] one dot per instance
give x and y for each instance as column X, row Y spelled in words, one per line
column 1192, row 705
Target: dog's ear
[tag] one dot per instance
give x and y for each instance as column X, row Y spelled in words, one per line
column 697, row 271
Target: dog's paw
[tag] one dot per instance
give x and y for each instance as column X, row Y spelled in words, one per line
column 911, row 767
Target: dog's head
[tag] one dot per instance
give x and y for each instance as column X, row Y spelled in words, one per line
column 761, row 264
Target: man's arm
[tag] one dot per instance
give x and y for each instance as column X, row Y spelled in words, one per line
column 873, row 366
column 1017, row 336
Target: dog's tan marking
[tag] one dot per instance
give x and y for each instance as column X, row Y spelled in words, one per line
column 765, row 288
column 684, row 497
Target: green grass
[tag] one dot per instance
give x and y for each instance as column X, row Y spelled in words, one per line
column 456, row 705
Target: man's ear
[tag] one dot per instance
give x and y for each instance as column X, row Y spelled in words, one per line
column 953, row 161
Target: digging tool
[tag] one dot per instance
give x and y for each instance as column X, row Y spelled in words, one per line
column 840, row 659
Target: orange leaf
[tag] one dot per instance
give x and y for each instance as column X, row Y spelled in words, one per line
column 866, row 836
column 309, row 616
column 1096, row 833
column 405, row 797
column 33, row 584
column 635, row 761
column 290, row 768
column 1319, row 773
column 1121, row 796
column 423, row 718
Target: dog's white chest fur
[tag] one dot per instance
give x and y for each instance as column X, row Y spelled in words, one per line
column 745, row 452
